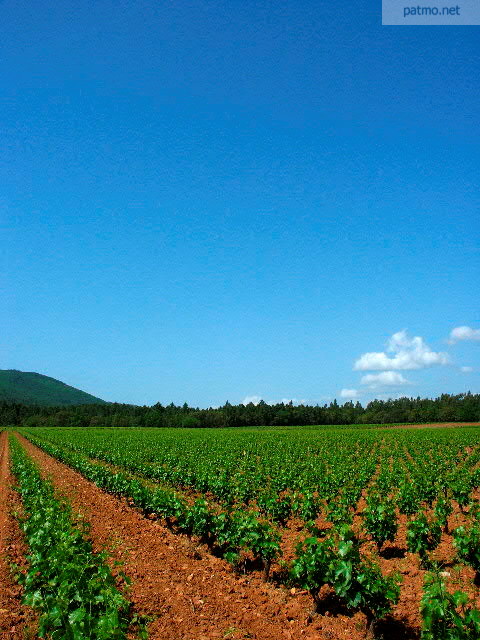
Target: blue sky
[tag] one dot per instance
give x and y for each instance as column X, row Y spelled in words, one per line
column 211, row 200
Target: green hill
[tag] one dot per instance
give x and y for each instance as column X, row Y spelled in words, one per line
column 34, row 388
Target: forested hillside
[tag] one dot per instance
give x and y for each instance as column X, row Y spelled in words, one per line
column 37, row 389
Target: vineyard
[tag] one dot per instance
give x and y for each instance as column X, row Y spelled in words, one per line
column 312, row 532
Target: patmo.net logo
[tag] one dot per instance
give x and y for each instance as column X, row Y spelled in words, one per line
column 401, row 12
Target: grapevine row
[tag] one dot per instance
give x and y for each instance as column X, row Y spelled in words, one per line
column 71, row 586
column 231, row 532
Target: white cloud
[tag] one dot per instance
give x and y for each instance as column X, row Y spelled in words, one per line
column 349, row 394
column 463, row 333
column 466, row 369
column 256, row 399
column 251, row 399
column 386, row 395
column 408, row 354
column 384, row 379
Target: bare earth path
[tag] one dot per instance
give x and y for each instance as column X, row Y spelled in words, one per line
column 434, row 425
column 15, row 620
column 189, row 597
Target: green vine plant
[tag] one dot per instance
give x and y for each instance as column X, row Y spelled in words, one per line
column 379, row 520
column 445, row 615
column 357, row 581
column 423, row 536
column 467, row 544
column 443, row 509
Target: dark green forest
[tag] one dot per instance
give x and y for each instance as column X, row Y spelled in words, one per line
column 446, row 408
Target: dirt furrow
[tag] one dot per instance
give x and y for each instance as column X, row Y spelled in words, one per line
column 16, row 621
column 432, row 425
column 188, row 593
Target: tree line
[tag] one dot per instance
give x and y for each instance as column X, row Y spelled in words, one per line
column 446, row 408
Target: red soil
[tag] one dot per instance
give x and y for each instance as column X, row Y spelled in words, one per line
column 16, row 621
column 191, row 595
column 433, row 425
